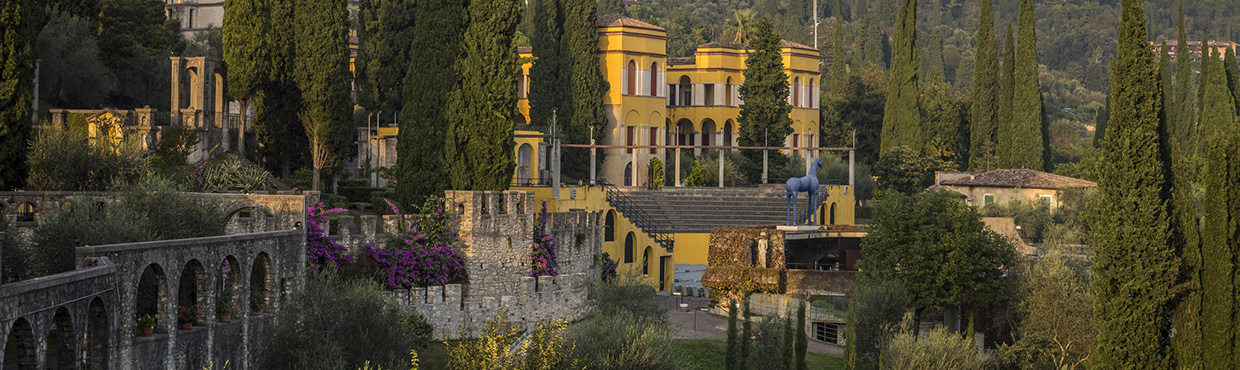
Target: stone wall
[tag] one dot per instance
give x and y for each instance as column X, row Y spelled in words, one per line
column 496, row 232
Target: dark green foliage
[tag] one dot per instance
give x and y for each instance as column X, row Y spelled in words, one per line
column 1026, row 145
column 1207, row 66
column 746, row 332
column 802, row 344
column 732, row 358
column 586, row 118
column 1185, row 224
column 1005, row 130
column 61, row 160
column 322, row 71
column 385, row 36
column 906, row 171
column 1100, row 124
column 479, row 153
column 332, row 324
column 174, row 145
column 14, row 262
column 433, row 73
column 838, row 66
column 1135, row 267
column 768, row 344
column 1218, row 292
column 1183, row 129
column 625, row 328
column 1218, row 110
column 850, row 336
column 18, row 33
column 135, row 39
column 277, row 103
column 984, row 111
column 549, row 73
column 764, row 113
column 857, row 105
column 945, row 123
column 70, row 74
column 924, row 232
column 788, row 356
column 901, row 116
column 1233, row 75
column 1167, row 86
column 247, row 48
column 611, row 7
column 878, row 306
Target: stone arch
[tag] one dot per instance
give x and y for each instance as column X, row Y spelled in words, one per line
column 230, row 284
column 21, row 345
column 151, row 297
column 654, row 79
column 708, row 132
column 243, row 219
column 96, row 345
column 728, row 129
column 628, row 247
column 192, row 288
column 649, row 252
column 26, row 211
column 684, row 132
column 62, row 355
column 187, row 90
column 523, row 164
column 609, row 226
column 632, row 80
column 260, row 282
column 685, row 90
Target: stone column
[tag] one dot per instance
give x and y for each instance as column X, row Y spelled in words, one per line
column 697, row 143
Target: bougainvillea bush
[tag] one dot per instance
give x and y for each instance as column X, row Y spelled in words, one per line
column 420, row 254
column 543, row 251
column 606, row 266
column 323, row 255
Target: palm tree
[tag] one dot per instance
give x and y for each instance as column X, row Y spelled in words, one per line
column 742, row 18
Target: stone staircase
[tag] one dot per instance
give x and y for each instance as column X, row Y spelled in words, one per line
column 698, row 210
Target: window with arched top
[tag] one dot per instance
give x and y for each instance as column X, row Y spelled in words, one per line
column 654, row 79
column 25, row 212
column 796, row 90
column 609, row 227
column 646, row 260
column 628, row 248
column 810, row 94
column 632, row 90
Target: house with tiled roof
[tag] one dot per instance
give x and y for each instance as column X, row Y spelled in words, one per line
column 1003, row 186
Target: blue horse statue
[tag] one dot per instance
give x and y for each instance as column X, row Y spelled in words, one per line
column 808, row 184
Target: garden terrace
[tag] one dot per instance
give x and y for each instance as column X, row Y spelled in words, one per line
column 246, row 213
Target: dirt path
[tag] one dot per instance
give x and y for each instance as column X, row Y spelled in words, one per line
column 697, row 323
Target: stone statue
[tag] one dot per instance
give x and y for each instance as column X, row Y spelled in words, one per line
column 808, row 184
column 762, row 245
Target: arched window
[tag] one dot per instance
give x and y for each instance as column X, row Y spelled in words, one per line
column 96, row 345
column 646, row 260
column 62, row 353
column 832, row 216
column 21, row 344
column 632, row 78
column 609, row 227
column 151, row 297
column 191, row 288
column 523, row 164
column 628, row 248
column 810, row 94
column 260, row 284
column 654, row 79
column 727, row 93
column 796, row 90
column 25, row 212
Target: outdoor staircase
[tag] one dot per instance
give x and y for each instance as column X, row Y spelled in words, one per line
column 699, row 210
column 633, row 211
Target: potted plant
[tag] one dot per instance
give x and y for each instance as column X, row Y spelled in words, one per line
column 147, row 324
column 257, row 304
column 223, row 309
column 186, row 316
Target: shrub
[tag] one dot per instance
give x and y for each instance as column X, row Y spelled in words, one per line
column 15, row 262
column 544, row 348
column 421, row 254
column 172, row 214
column 625, row 341
column 933, row 349
column 878, row 306
column 768, row 344
column 357, row 193
column 234, row 174
column 60, row 160
column 543, row 258
column 656, row 174
column 624, row 295
column 1032, row 218
column 323, row 255
column 698, row 176
column 175, row 143
column 334, row 324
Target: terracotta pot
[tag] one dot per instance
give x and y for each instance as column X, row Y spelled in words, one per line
column 226, row 317
column 187, row 325
column 256, row 313
column 148, row 332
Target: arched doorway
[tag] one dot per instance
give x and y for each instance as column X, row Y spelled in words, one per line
column 190, row 290
column 152, row 297
column 831, row 216
column 60, row 342
column 727, row 132
column 25, row 212
column 20, row 347
column 810, row 94
column 230, row 285
column 686, row 91
column 260, row 284
column 523, row 164
column 684, row 132
column 727, row 93
column 97, row 329
column 628, row 248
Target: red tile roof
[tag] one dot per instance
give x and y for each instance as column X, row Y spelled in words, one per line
column 1020, row 178
column 621, row 21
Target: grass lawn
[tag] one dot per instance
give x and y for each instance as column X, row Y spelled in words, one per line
column 708, row 354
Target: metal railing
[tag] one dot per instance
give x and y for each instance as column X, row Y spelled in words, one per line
column 637, row 215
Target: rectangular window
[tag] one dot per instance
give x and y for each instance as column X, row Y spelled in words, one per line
column 826, row 332
column 988, row 199
column 631, row 131
column 1046, row 199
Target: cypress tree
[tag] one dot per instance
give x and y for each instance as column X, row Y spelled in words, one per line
column 247, row 24
column 22, row 20
column 585, row 81
column 1233, row 75
column 1184, row 112
column 1027, row 145
column 549, row 72
column 1135, row 268
column 1218, row 293
column 802, row 342
column 850, row 338
column 1187, row 239
column 1005, row 133
column 1218, row 109
column 277, row 103
column 746, row 333
column 788, row 355
column 385, row 34
column 479, row 153
column 1100, row 123
column 322, row 70
column 984, row 130
column 838, row 68
column 731, row 357
column 1207, row 60
column 764, row 111
column 1164, row 77
column 901, row 116
column 433, row 74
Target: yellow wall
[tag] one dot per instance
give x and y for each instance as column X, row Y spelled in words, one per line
column 594, row 198
column 691, row 248
column 641, row 110
column 534, row 155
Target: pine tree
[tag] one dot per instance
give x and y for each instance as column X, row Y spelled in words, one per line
column 838, row 67
column 18, row 32
column 1005, row 132
column 1218, row 109
column 585, row 81
column 764, row 111
column 385, row 35
column 1184, row 112
column 933, row 67
column 480, row 139
column 322, row 70
column 247, row 24
column 549, row 71
column 1027, row 145
column 901, row 116
column 984, row 130
column 1135, row 267
column 433, row 74
column 1218, row 293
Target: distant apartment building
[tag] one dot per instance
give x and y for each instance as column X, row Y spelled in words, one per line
column 1194, row 47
